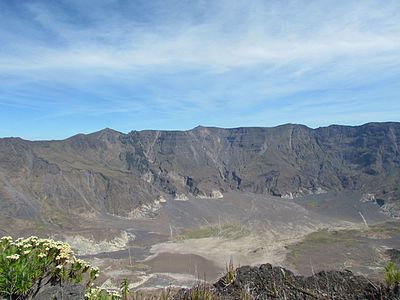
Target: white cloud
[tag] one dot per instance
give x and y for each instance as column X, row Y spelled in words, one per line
column 235, row 36
column 198, row 58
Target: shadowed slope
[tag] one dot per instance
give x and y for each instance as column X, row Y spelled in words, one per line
column 109, row 172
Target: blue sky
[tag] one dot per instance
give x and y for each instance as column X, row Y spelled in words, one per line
column 79, row 66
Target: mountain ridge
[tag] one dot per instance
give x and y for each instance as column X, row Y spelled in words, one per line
column 108, row 129
column 109, row 172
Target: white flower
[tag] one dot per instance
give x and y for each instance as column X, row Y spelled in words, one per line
column 6, row 238
column 13, row 257
column 115, row 294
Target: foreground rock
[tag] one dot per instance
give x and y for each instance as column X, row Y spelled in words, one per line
column 58, row 292
column 264, row 282
column 268, row 282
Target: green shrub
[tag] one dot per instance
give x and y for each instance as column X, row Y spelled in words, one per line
column 26, row 265
column 392, row 274
column 125, row 289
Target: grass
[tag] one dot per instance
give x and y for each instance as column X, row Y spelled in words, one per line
column 230, row 273
column 312, row 243
column 390, row 228
column 325, row 236
column 312, row 204
column 201, row 292
column 227, row 230
column 392, row 274
column 350, row 248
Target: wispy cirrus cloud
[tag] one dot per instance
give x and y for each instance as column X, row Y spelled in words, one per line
column 209, row 62
column 227, row 36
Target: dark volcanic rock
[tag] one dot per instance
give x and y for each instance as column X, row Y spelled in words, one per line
column 57, row 292
column 116, row 173
column 394, row 255
column 268, row 282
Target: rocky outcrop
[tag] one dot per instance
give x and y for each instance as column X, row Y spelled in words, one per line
column 58, row 292
column 109, row 172
column 268, row 282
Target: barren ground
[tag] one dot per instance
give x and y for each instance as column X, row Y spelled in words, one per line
column 187, row 241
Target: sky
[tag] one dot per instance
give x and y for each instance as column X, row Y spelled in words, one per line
column 74, row 66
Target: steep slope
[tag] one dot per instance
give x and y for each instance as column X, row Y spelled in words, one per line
column 109, row 172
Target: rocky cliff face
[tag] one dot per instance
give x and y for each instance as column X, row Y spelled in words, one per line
column 109, row 172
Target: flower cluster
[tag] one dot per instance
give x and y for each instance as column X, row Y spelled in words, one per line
column 41, row 248
column 99, row 293
column 33, row 258
column 13, row 256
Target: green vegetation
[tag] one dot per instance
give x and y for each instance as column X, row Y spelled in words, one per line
column 336, row 249
column 228, row 230
column 125, row 289
column 325, row 236
column 26, row 265
column 230, row 273
column 201, row 292
column 385, row 228
column 100, row 294
column 392, row 275
column 312, row 204
column 350, row 237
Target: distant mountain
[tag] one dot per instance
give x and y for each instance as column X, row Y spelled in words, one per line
column 108, row 172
